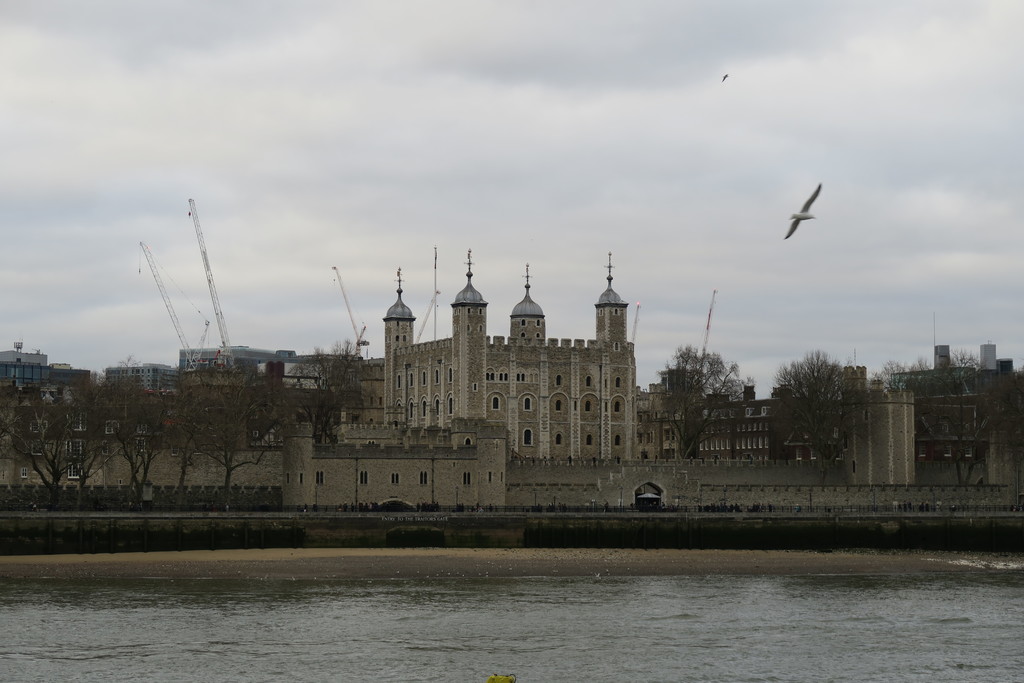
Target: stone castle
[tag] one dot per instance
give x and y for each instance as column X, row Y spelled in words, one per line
column 529, row 421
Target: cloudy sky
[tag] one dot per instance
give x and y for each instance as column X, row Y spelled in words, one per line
column 363, row 135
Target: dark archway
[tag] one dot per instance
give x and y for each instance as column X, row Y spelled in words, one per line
column 648, row 497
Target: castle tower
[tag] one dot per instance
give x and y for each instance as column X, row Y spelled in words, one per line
column 469, row 347
column 527, row 320
column 616, row 372
column 398, row 335
column 611, row 313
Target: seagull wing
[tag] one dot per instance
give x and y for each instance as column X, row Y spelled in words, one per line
column 810, row 201
column 792, row 228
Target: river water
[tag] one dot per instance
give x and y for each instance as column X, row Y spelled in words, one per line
column 946, row 627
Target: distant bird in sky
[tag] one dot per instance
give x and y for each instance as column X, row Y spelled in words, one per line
column 725, row 77
column 803, row 215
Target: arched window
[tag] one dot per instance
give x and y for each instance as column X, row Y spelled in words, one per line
column 423, row 407
column 451, row 405
column 558, row 406
column 527, row 404
column 618, row 382
column 437, row 406
column 586, row 406
column 618, row 406
column 618, row 440
column 558, row 439
column 495, row 403
column 527, row 437
column 558, row 380
column 590, row 440
column 589, row 380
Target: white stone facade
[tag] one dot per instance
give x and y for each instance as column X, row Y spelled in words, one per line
column 557, row 398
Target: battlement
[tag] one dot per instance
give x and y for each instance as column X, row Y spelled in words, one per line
column 499, row 342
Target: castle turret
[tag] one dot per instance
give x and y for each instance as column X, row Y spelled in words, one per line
column 398, row 335
column 469, row 347
column 611, row 313
column 527, row 320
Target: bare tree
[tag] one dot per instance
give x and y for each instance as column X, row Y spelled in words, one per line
column 950, row 410
column 694, row 381
column 89, row 448
column 819, row 403
column 893, row 373
column 1005, row 399
column 40, row 428
column 238, row 420
column 181, row 432
column 324, row 385
column 135, row 422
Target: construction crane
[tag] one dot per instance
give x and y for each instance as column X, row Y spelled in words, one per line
column 355, row 328
column 426, row 316
column 224, row 354
column 707, row 328
column 636, row 320
column 191, row 354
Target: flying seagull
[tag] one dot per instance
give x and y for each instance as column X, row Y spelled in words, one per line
column 803, row 215
column 725, row 77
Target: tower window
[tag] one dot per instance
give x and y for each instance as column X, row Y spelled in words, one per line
column 527, row 437
column 495, row 403
column 527, row 404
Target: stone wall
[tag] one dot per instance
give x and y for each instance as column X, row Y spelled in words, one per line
column 252, row 498
column 729, row 483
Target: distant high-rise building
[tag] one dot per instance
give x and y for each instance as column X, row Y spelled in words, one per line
column 988, row 356
column 941, row 356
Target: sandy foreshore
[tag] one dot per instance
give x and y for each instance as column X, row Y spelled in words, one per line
column 366, row 563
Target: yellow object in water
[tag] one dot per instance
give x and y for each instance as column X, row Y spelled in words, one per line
column 497, row 678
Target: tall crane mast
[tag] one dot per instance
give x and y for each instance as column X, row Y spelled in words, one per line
column 191, row 354
column 636, row 320
column 225, row 343
column 707, row 328
column 355, row 329
column 426, row 316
